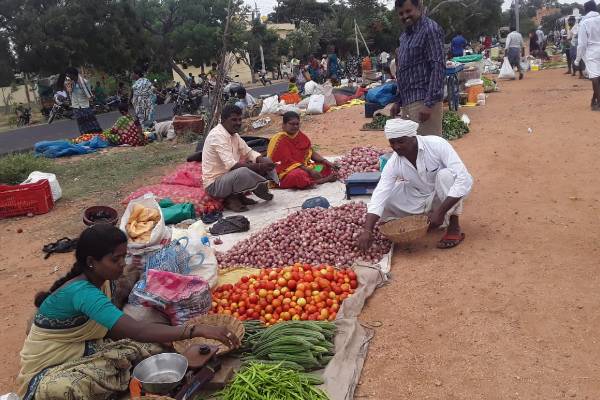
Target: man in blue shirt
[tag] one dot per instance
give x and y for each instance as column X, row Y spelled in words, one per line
column 458, row 45
column 420, row 69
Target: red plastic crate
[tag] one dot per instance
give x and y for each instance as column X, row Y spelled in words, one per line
column 34, row 198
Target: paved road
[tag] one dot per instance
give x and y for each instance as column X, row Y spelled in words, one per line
column 24, row 138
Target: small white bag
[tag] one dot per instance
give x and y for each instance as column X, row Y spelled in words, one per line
column 506, row 72
column 270, row 105
column 37, row 176
column 315, row 104
column 159, row 232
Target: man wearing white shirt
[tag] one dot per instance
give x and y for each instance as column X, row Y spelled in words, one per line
column 588, row 48
column 425, row 175
column 514, row 49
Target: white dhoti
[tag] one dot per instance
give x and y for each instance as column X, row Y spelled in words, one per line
column 405, row 200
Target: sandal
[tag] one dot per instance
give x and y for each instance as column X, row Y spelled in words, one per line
column 450, row 240
column 63, row 245
column 235, row 205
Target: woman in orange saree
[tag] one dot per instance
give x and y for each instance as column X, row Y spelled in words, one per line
column 297, row 165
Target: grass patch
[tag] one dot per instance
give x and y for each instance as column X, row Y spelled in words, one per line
column 15, row 168
column 93, row 174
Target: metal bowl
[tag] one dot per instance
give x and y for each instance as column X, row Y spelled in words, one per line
column 161, row 373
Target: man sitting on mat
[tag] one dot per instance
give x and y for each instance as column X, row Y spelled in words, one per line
column 423, row 176
column 230, row 168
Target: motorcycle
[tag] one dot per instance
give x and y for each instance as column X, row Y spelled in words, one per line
column 188, row 101
column 61, row 108
column 263, row 78
column 110, row 104
column 23, row 116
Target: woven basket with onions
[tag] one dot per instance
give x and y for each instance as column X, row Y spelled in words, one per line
column 406, row 230
column 229, row 322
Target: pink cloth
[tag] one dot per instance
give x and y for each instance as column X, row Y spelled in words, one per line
column 188, row 174
column 184, row 185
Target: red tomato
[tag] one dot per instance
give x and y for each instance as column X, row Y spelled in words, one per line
column 352, row 275
column 271, row 285
column 323, row 283
column 245, row 279
column 295, row 276
column 281, row 282
column 308, row 277
column 253, row 299
column 269, row 309
column 353, row 284
column 329, row 276
column 255, row 315
column 235, row 297
column 276, row 302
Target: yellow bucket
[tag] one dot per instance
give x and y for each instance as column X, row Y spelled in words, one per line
column 535, row 67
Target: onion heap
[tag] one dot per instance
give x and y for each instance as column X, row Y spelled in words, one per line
column 359, row 159
column 312, row 236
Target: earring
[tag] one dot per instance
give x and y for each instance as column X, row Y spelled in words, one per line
column 91, row 266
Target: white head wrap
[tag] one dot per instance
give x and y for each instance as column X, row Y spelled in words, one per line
column 395, row 128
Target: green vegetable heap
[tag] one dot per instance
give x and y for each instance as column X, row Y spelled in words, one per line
column 377, row 124
column 259, row 381
column 452, row 126
column 298, row 345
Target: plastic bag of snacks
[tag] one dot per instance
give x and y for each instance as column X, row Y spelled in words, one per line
column 184, row 296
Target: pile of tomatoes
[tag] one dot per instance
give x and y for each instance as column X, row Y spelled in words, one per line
column 298, row 292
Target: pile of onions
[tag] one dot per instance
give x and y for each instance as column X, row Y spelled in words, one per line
column 312, row 236
column 360, row 159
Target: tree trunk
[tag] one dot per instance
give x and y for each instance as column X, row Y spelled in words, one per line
column 218, row 99
column 25, row 82
column 179, row 72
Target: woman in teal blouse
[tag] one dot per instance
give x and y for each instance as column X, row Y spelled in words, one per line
column 65, row 354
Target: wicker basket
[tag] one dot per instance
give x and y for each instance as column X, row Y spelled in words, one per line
column 406, row 230
column 234, row 325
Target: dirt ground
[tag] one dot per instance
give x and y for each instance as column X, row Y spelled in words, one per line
column 510, row 314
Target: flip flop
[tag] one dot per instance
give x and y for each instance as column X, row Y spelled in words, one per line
column 449, row 241
column 63, row 245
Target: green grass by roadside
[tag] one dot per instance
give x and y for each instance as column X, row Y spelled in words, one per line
column 85, row 176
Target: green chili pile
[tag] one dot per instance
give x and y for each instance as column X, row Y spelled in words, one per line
column 258, row 381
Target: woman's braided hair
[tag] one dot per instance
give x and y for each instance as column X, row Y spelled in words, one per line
column 96, row 241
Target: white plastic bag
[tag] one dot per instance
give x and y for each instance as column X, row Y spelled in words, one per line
column 288, row 107
column 328, row 93
column 37, row 176
column 270, row 105
column 160, row 230
column 506, row 72
column 208, row 268
column 312, row 87
column 315, row 104
column 303, row 104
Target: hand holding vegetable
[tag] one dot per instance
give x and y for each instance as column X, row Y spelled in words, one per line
column 219, row 333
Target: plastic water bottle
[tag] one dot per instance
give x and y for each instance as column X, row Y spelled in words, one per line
column 205, row 241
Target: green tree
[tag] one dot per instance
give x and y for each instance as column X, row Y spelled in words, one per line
column 7, row 73
column 304, row 41
column 260, row 35
column 188, row 31
column 49, row 35
column 294, row 11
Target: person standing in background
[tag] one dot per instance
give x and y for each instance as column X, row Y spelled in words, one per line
column 514, row 49
column 567, row 38
column 541, row 37
column 421, row 69
column 143, row 99
column 458, row 45
column 572, row 36
column 588, row 48
column 78, row 90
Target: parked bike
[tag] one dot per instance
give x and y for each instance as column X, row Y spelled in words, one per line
column 23, row 116
column 61, row 108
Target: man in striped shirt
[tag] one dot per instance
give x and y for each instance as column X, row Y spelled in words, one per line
column 420, row 69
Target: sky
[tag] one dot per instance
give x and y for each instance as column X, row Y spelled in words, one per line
column 266, row 6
